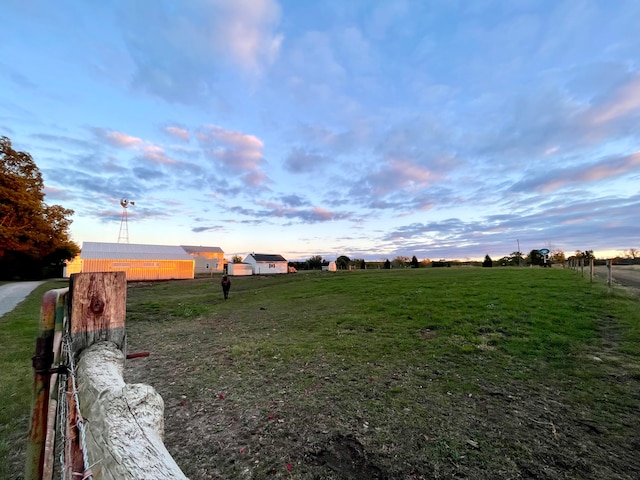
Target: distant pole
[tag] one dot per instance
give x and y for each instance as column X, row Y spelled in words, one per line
column 519, row 254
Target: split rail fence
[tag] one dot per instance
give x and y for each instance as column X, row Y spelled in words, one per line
column 86, row 422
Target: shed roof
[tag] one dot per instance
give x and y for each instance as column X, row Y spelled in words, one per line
column 194, row 249
column 266, row 257
column 132, row 251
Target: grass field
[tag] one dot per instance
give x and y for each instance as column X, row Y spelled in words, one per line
column 401, row 374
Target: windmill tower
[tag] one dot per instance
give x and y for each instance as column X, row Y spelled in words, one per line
column 123, row 235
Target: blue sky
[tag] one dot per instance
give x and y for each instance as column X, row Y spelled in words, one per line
column 372, row 129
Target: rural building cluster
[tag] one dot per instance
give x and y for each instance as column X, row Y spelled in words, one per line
column 167, row 262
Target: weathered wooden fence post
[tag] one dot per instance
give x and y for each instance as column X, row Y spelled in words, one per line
column 98, row 309
column 52, row 312
column 609, row 276
column 591, row 270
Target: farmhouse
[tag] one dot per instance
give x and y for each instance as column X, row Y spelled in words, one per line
column 140, row 262
column 208, row 259
column 266, row 264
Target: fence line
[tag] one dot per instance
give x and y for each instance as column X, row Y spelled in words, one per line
column 74, row 320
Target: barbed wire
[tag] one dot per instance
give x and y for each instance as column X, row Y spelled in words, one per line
column 71, row 369
column 62, row 420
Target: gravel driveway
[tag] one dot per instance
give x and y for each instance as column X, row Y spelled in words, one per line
column 12, row 294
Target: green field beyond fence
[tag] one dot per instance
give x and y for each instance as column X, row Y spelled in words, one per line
column 407, row 374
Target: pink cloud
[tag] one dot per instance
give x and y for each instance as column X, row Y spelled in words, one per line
column 235, row 150
column 178, row 132
column 120, row 139
column 610, row 168
column 624, row 101
column 156, row 154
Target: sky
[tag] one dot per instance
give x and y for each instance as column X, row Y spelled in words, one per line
column 444, row 129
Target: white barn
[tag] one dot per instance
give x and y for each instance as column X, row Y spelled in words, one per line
column 266, row 264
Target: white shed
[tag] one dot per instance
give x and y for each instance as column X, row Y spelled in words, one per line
column 266, row 264
column 239, row 269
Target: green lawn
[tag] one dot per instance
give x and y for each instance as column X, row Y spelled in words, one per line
column 18, row 331
column 416, row 373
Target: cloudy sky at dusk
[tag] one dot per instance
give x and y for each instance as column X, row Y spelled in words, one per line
column 441, row 129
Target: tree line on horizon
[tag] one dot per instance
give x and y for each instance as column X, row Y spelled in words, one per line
column 515, row 259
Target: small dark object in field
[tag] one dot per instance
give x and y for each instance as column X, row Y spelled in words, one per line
column 346, row 456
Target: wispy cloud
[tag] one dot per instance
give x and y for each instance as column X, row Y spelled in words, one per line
column 178, row 132
column 118, row 139
column 179, row 54
column 555, row 179
column 234, row 151
column 623, row 101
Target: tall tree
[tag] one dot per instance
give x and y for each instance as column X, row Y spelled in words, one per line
column 535, row 258
column 315, row 262
column 34, row 237
column 343, row 262
column 414, row 262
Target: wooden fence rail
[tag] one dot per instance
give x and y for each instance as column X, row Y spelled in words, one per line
column 75, row 323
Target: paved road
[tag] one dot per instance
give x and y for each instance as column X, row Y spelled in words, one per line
column 12, row 294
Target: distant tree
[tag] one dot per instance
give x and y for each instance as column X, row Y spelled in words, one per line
column 557, row 256
column 363, row 264
column 315, row 262
column 387, row 264
column 535, row 258
column 586, row 255
column 34, row 236
column 487, row 261
column 414, row 262
column 400, row 262
column 632, row 253
column 236, row 259
column 516, row 258
column 506, row 261
column 343, row 262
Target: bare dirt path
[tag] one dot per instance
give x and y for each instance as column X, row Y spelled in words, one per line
column 626, row 275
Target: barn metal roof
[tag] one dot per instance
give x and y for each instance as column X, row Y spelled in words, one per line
column 194, row 249
column 266, row 257
column 132, row 251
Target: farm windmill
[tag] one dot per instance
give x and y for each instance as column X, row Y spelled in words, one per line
column 123, row 235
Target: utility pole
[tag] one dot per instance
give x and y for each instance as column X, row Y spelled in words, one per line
column 519, row 254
